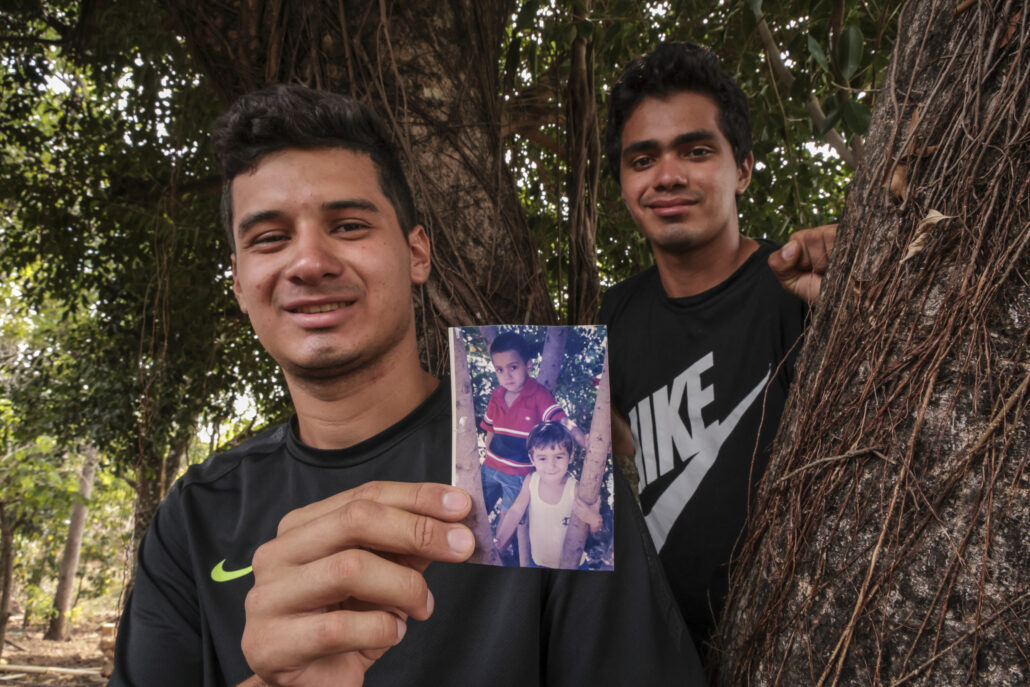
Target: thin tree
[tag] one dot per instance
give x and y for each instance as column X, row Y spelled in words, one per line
column 887, row 542
column 58, row 628
column 466, row 454
column 599, row 445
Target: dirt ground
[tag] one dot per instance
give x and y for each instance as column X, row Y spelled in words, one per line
column 28, row 648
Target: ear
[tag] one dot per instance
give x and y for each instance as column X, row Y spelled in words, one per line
column 744, row 173
column 237, row 291
column 418, row 244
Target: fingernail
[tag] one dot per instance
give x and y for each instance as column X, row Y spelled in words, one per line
column 789, row 251
column 402, row 628
column 455, row 501
column 460, row 540
column 430, row 603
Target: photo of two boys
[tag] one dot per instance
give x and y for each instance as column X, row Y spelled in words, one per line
column 532, row 444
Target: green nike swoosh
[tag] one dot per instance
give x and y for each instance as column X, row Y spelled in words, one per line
column 220, row 574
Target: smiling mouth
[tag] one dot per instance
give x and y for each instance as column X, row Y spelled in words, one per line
column 324, row 307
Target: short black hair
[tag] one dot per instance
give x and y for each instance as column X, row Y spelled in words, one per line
column 510, row 341
column 550, row 434
column 672, row 68
column 285, row 116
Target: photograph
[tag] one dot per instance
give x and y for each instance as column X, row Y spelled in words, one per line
column 532, row 444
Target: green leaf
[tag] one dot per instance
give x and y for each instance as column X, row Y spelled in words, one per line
column 849, row 51
column 857, row 116
column 816, row 51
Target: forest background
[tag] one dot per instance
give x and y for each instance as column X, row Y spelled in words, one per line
column 120, row 343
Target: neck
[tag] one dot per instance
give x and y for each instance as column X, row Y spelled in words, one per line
column 351, row 407
column 693, row 271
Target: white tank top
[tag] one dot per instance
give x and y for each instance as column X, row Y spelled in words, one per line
column 548, row 522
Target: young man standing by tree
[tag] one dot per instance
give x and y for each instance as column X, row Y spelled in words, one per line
column 340, row 511
column 702, row 344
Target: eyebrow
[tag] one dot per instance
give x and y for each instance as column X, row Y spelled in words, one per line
column 248, row 222
column 682, row 139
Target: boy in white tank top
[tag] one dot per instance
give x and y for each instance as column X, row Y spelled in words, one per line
column 549, row 494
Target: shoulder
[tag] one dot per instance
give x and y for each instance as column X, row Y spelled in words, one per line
column 617, row 297
column 268, row 443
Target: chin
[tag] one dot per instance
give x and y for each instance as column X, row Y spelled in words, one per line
column 323, row 367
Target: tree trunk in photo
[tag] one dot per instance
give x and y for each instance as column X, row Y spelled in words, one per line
column 58, row 628
column 466, row 456
column 430, row 68
column 6, row 572
column 599, row 444
column 552, row 357
column 887, row 544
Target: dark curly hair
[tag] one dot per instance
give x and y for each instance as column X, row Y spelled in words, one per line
column 291, row 116
column 548, row 434
column 671, row 68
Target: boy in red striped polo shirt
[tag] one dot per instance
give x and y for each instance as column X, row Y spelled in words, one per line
column 517, row 405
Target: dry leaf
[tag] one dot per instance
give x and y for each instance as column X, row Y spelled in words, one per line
column 923, row 232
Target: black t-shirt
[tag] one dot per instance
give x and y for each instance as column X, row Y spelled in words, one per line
column 703, row 381
column 491, row 625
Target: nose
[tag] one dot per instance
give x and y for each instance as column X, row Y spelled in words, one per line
column 669, row 172
column 314, row 256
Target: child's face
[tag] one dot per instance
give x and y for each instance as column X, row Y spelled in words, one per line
column 551, row 462
column 511, row 370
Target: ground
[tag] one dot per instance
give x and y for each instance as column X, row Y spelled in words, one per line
column 28, row 648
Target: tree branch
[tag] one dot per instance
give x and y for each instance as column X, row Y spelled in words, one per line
column 812, row 105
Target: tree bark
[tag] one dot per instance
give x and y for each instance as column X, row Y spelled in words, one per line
column 584, row 175
column 58, row 628
column 430, row 69
column 599, row 444
column 887, row 542
column 466, row 455
column 551, row 357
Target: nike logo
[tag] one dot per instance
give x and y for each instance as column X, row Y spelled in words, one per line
column 220, row 574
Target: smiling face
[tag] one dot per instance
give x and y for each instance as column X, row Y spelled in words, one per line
column 322, row 267
column 679, row 179
column 511, row 369
column 551, row 463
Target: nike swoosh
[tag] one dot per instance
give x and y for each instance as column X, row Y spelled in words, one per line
column 220, row 574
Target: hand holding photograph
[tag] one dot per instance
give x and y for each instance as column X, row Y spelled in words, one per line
column 532, row 444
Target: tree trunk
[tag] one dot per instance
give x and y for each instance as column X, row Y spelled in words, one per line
column 552, row 357
column 887, row 544
column 58, row 628
column 599, row 444
column 466, row 454
column 6, row 572
column 584, row 175
column 430, row 67
column 154, row 477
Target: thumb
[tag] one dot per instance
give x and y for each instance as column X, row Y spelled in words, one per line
column 782, row 261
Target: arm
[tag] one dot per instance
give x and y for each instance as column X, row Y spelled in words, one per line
column 589, row 514
column 512, row 516
column 489, row 438
column 334, row 589
column 801, row 263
